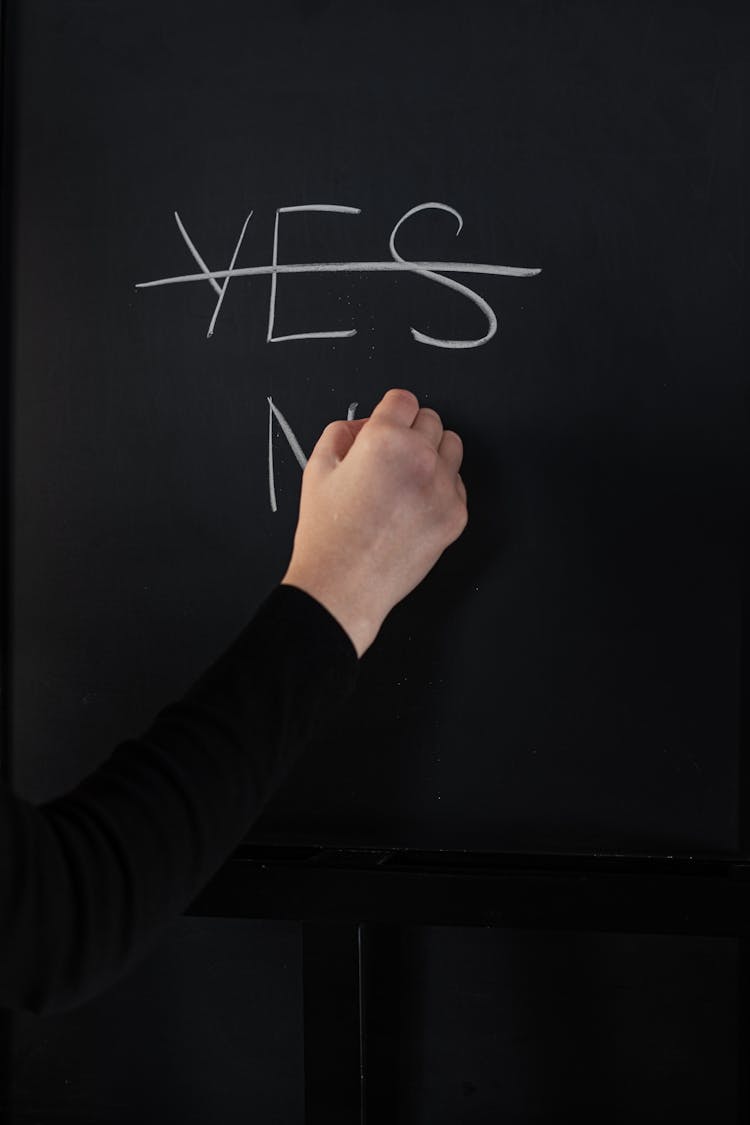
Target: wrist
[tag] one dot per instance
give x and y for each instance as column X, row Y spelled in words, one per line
column 347, row 602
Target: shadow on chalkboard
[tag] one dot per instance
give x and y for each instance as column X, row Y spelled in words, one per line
column 443, row 1028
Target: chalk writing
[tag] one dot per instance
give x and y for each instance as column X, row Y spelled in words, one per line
column 296, row 448
column 271, row 339
column 432, row 271
column 294, row 445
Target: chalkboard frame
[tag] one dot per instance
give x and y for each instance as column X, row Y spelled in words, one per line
column 690, row 895
column 344, row 897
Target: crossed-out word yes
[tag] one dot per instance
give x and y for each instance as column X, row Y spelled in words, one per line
column 433, row 271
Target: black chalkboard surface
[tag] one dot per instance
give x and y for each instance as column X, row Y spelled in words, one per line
column 568, row 676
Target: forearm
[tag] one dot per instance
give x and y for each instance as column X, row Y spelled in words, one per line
column 87, row 879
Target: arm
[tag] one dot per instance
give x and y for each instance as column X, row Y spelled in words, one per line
column 87, row 880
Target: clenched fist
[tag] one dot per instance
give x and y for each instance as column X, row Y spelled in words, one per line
column 381, row 500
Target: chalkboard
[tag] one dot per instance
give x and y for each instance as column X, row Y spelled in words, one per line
column 537, row 210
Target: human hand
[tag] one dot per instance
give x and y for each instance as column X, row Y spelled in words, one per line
column 381, row 500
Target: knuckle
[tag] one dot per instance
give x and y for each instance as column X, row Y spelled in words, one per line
column 454, row 439
column 376, row 438
column 394, row 443
column 422, row 462
column 409, row 455
column 454, row 511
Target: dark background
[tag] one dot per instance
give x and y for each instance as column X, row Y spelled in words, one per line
column 567, row 679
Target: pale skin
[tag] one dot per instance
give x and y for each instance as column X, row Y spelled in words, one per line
column 382, row 497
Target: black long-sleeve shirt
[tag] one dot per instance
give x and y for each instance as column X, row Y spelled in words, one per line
column 86, row 879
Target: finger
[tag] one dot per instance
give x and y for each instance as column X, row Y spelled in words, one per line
column 398, row 407
column 337, row 439
column 428, row 423
column 451, row 449
column 461, row 489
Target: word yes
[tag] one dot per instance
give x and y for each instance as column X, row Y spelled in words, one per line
column 432, row 271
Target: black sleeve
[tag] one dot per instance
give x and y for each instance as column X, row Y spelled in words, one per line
column 86, row 879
